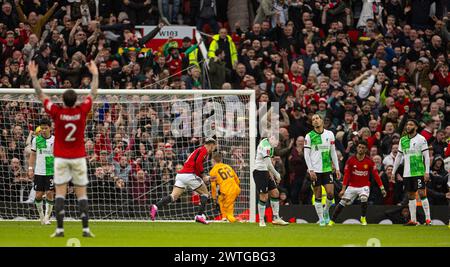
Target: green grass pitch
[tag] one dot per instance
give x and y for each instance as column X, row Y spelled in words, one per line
column 170, row 234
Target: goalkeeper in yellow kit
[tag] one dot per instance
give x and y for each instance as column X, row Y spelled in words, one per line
column 228, row 182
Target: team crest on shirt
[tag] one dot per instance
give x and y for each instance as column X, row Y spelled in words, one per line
column 366, row 166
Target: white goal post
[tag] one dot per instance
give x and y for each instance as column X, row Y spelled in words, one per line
column 135, row 141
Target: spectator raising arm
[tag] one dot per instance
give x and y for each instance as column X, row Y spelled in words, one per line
column 37, row 27
column 20, row 13
column 363, row 89
column 151, row 35
column 73, row 31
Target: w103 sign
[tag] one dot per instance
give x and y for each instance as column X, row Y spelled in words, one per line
column 176, row 32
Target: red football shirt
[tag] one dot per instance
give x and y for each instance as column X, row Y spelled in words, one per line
column 401, row 105
column 425, row 133
column 296, row 81
column 194, row 163
column 70, row 124
column 175, row 65
column 357, row 172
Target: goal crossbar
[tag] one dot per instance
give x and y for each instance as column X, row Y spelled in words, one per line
column 132, row 92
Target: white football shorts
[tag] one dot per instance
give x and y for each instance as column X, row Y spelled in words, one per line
column 352, row 193
column 188, row 180
column 74, row 170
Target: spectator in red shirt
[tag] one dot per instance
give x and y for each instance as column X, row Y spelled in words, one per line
column 102, row 142
column 9, row 45
column 140, row 185
column 401, row 102
column 428, row 131
column 296, row 76
column 174, row 60
column 442, row 75
column 12, row 40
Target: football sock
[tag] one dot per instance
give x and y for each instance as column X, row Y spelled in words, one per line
column 319, row 208
column 328, row 204
column 84, row 211
column 49, row 207
column 59, row 209
column 202, row 206
column 164, row 201
column 364, row 208
column 412, row 209
column 39, row 206
column 275, row 204
column 261, row 210
column 337, row 211
column 426, row 208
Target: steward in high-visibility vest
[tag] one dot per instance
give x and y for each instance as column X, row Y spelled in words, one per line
column 193, row 57
column 224, row 42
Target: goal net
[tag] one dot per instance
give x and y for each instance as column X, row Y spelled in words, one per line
column 136, row 141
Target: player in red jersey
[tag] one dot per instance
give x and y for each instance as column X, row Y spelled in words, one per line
column 356, row 182
column 191, row 176
column 69, row 150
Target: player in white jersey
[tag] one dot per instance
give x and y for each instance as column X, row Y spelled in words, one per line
column 320, row 156
column 413, row 149
column 41, row 168
column 265, row 184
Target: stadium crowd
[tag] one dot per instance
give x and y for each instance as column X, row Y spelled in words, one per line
column 364, row 66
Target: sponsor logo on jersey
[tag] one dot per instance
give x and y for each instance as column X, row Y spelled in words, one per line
column 412, row 151
column 360, row 173
column 322, row 147
column 64, row 117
